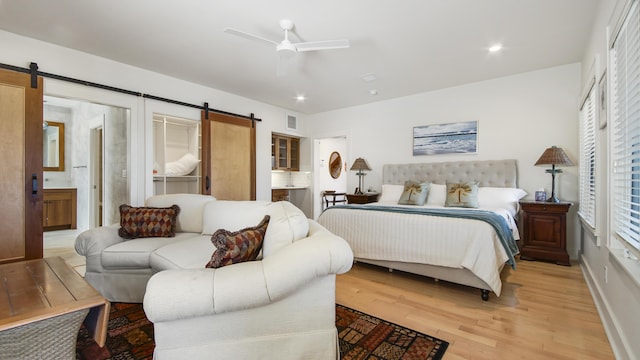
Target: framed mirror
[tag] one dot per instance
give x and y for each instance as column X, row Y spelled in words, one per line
column 335, row 165
column 53, row 146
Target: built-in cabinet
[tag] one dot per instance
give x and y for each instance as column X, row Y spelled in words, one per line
column 279, row 195
column 285, row 153
column 176, row 155
column 59, row 209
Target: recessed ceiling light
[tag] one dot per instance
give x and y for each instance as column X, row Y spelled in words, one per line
column 373, row 92
column 495, row 48
column 368, row 77
column 300, row 98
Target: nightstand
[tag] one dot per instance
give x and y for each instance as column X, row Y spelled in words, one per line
column 362, row 198
column 544, row 231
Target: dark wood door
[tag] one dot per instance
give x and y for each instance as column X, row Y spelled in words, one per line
column 228, row 157
column 20, row 167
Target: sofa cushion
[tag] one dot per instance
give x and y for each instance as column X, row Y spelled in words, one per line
column 134, row 254
column 237, row 246
column 191, row 253
column 232, row 215
column 191, row 208
column 140, row 222
column 288, row 224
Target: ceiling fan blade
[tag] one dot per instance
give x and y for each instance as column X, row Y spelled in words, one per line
column 322, row 45
column 245, row 35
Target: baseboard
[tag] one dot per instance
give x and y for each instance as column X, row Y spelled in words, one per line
column 616, row 341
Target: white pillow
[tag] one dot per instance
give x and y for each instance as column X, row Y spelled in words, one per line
column 503, row 198
column 391, row 193
column 437, row 195
column 185, row 165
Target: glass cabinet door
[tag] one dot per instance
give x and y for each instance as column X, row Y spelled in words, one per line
column 294, row 153
column 282, row 153
column 285, row 153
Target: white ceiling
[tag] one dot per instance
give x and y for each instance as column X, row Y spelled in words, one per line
column 411, row 46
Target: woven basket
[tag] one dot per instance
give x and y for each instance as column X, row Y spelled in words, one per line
column 53, row 338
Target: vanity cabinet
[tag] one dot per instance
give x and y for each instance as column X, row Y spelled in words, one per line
column 285, row 153
column 176, row 155
column 59, row 209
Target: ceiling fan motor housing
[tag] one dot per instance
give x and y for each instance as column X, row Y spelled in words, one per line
column 286, row 24
column 286, row 47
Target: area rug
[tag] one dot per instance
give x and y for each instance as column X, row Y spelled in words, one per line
column 362, row 336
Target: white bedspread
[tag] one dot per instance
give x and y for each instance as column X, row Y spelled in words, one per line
column 413, row 238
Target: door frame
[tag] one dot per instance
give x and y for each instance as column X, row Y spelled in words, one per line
column 317, row 169
column 96, row 177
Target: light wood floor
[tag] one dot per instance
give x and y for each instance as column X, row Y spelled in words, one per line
column 60, row 243
column 545, row 311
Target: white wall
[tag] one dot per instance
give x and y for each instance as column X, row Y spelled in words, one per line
column 615, row 288
column 518, row 118
column 20, row 51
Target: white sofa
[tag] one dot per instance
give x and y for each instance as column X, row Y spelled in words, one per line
column 281, row 306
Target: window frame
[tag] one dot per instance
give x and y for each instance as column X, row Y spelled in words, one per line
column 588, row 157
column 624, row 133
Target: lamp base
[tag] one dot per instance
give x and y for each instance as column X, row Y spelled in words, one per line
column 360, row 182
column 553, row 199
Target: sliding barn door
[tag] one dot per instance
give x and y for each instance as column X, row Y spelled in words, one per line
column 21, row 141
column 228, row 157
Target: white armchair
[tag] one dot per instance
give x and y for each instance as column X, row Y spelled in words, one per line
column 281, row 307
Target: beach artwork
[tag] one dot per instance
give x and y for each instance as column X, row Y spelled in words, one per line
column 453, row 138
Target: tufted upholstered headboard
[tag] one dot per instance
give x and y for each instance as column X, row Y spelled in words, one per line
column 495, row 173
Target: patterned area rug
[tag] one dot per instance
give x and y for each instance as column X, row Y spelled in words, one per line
column 129, row 336
column 362, row 336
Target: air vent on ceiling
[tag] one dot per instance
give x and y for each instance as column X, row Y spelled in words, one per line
column 292, row 122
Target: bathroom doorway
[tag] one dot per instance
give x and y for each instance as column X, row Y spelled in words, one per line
column 95, row 154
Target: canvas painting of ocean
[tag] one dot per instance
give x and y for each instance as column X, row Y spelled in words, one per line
column 450, row 138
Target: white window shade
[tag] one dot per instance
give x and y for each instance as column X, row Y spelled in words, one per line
column 587, row 208
column 625, row 131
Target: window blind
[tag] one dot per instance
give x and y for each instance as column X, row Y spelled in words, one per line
column 625, row 136
column 587, row 209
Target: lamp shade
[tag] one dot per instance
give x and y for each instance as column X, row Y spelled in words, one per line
column 360, row 164
column 554, row 156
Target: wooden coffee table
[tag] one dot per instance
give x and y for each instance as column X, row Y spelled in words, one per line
column 34, row 293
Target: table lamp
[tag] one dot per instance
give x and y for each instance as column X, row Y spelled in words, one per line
column 554, row 156
column 360, row 164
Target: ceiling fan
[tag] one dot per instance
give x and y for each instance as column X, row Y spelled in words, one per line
column 286, row 49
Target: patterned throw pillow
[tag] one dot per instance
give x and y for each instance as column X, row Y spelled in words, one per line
column 139, row 222
column 238, row 246
column 462, row 194
column 414, row 193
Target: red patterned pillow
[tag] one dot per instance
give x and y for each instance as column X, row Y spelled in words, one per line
column 239, row 246
column 138, row 222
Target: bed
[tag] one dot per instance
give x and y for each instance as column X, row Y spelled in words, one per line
column 467, row 246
